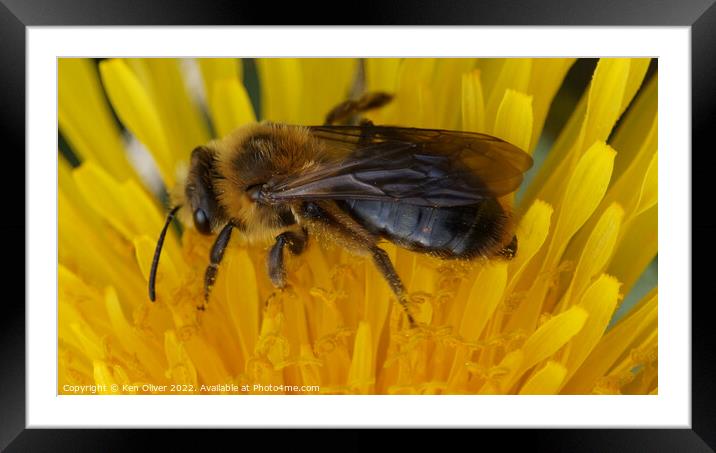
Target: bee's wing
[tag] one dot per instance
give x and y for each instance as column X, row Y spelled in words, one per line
column 426, row 167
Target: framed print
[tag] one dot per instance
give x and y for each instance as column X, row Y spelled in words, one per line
column 359, row 226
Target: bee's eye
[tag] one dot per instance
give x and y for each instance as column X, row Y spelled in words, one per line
column 201, row 221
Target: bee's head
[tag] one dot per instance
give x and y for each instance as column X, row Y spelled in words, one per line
column 200, row 191
column 199, row 196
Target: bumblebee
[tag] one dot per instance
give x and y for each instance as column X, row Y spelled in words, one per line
column 430, row 191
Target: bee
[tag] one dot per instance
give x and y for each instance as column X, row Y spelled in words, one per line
column 431, row 191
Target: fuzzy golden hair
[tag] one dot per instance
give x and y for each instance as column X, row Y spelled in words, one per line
column 254, row 154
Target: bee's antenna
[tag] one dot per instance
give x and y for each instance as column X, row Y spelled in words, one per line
column 158, row 252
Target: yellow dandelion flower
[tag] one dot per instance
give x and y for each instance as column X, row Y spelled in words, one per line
column 540, row 323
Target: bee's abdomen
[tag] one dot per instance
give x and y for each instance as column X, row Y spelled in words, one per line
column 454, row 232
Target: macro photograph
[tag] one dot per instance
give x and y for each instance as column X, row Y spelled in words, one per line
column 361, row 226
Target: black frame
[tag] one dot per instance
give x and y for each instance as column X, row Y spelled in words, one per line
column 16, row 15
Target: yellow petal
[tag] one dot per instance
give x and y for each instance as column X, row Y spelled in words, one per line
column 514, row 74
column 144, row 217
column 547, row 76
column 180, row 369
column 637, row 71
column 102, row 193
column 614, row 344
column 280, row 79
column 635, row 126
column 69, row 315
column 542, row 344
column 613, row 86
column 487, row 326
column 85, row 117
column 310, row 374
column 649, row 189
column 426, row 114
column 272, row 345
column 89, row 341
column 141, row 72
column 413, row 103
column 638, row 246
column 67, row 186
column 180, row 116
column 552, row 335
column 127, row 207
column 473, row 103
column 638, row 182
column 634, row 372
column 606, row 96
column 381, row 74
column 531, row 233
column 230, row 106
column 103, row 377
column 295, row 324
column 486, row 293
column 600, row 301
column 244, row 304
column 136, row 109
column 206, row 359
column 447, row 90
column 490, row 69
column 122, row 378
column 582, row 195
column 215, row 323
column 72, row 287
column 77, row 302
column 596, row 252
column 514, row 119
column 546, row 381
column 643, row 365
column 484, row 297
column 100, row 256
column 361, row 376
column 129, row 338
column 326, row 83
column 216, row 69
column 414, row 69
column 627, row 190
column 64, row 175
column 511, row 368
column 559, row 152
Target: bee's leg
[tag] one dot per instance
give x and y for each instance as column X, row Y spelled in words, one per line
column 276, row 268
column 382, row 262
column 347, row 109
column 217, row 253
column 510, row 250
column 367, row 133
column 361, row 240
